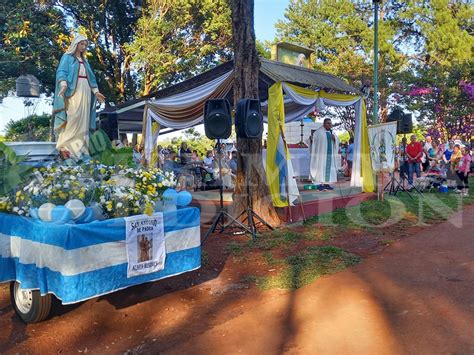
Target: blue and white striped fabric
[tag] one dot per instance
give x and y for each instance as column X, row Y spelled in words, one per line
column 79, row 262
column 285, row 172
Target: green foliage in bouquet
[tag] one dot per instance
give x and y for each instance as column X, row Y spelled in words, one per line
column 102, row 151
column 12, row 173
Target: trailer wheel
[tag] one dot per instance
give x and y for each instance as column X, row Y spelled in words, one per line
column 29, row 305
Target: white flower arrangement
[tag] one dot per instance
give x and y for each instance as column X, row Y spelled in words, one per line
column 120, row 191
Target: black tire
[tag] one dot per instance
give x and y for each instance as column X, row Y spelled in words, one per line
column 39, row 307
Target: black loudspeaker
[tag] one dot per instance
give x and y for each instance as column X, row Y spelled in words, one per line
column 248, row 119
column 395, row 115
column 406, row 124
column 404, row 121
column 217, row 119
column 109, row 124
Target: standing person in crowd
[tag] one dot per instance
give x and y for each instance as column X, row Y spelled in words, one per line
column 463, row 169
column 414, row 153
column 343, row 153
column 184, row 153
column 403, row 159
column 455, row 157
column 161, row 156
column 137, row 155
column 225, row 153
column 454, row 162
column 448, row 152
column 350, row 156
column 446, row 164
column 426, row 149
column 233, row 162
column 434, row 153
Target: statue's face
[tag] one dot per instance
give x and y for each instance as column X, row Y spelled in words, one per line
column 82, row 46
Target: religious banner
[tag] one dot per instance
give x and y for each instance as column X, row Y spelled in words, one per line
column 145, row 244
column 382, row 138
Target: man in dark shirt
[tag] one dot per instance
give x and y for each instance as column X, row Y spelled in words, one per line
column 184, row 153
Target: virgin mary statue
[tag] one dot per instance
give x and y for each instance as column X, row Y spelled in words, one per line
column 74, row 101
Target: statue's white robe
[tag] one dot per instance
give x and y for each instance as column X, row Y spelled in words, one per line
column 75, row 136
column 325, row 158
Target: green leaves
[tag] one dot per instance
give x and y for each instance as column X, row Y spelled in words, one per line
column 11, row 172
column 29, row 43
column 178, row 39
column 31, row 128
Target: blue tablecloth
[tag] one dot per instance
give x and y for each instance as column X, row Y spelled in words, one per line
column 79, row 262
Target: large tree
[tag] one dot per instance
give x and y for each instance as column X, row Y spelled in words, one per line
column 31, row 37
column 109, row 25
column 246, row 68
column 341, row 34
column 439, row 85
column 36, row 33
column 177, row 39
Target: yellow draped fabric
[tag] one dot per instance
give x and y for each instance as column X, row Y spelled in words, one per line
column 276, row 121
column 155, row 127
column 311, row 94
column 368, row 181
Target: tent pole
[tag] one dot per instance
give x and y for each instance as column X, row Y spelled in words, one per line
column 376, row 61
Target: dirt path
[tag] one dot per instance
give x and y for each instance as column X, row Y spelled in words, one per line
column 415, row 297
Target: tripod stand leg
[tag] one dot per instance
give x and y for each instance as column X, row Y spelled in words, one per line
column 214, row 225
column 262, row 220
column 233, row 220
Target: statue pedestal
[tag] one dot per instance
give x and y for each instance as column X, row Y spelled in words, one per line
column 39, row 153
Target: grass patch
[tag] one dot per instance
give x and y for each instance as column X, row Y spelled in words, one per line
column 204, row 258
column 235, row 248
column 386, row 242
column 304, row 268
column 271, row 260
column 373, row 218
column 417, row 209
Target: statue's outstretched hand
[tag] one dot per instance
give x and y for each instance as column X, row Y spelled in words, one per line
column 100, row 97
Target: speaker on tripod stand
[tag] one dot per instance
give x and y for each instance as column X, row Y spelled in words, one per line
column 404, row 126
column 249, row 124
column 218, row 125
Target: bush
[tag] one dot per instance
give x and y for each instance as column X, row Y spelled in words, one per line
column 31, row 128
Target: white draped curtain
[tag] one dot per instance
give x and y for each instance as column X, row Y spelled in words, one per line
column 182, row 110
column 306, row 104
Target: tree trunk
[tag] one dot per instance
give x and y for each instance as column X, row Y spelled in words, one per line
column 246, row 68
